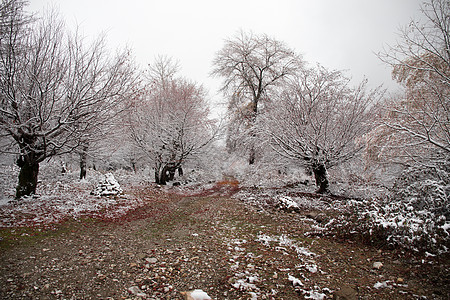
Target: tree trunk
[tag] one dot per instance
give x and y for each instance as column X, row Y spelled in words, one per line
column 157, row 175
column 157, row 172
column 83, row 162
column 28, row 177
column 133, row 166
column 321, row 176
column 163, row 175
column 251, row 159
column 180, row 171
column 83, row 169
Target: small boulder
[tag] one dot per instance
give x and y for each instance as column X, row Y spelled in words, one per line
column 108, row 186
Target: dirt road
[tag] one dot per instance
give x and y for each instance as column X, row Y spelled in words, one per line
column 230, row 250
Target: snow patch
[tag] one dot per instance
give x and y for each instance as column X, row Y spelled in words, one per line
column 199, row 295
column 384, row 284
column 295, row 281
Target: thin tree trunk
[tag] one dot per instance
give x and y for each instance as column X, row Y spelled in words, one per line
column 251, row 158
column 157, row 172
column 133, row 165
column 321, row 177
column 83, row 162
column 28, row 177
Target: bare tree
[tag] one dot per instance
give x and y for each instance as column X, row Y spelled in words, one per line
column 250, row 66
column 56, row 93
column 318, row 120
column 170, row 121
column 419, row 121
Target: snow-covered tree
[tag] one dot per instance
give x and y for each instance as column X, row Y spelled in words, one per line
column 55, row 92
column 251, row 65
column 416, row 125
column 318, row 119
column 170, row 120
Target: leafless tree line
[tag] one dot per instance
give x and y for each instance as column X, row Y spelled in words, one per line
column 314, row 117
column 169, row 120
column 56, row 91
column 60, row 94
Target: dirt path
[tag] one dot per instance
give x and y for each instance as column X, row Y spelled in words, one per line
column 215, row 243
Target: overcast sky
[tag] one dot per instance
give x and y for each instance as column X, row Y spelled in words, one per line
column 339, row 34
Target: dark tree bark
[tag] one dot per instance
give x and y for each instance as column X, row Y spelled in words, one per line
column 171, row 174
column 251, row 158
column 83, row 162
column 28, row 176
column 161, row 174
column 165, row 174
column 180, row 171
column 133, row 166
column 321, row 177
column 252, row 155
column 157, row 176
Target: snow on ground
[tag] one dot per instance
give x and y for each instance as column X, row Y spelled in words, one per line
column 59, row 196
column 283, row 240
column 283, row 243
column 396, row 221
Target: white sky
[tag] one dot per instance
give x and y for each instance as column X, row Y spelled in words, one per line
column 339, row 34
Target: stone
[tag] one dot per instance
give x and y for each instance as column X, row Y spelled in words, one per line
column 135, row 290
column 345, row 293
column 196, row 295
column 151, row 260
column 377, row 265
column 321, row 218
column 108, row 186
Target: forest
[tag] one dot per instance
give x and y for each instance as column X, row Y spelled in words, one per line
column 72, row 110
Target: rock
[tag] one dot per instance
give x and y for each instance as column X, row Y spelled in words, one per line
column 311, row 214
column 321, row 218
column 196, row 295
column 107, row 187
column 400, row 280
column 345, row 293
column 151, row 260
column 287, row 204
column 377, row 265
column 135, row 290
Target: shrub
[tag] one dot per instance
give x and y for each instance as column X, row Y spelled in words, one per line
column 415, row 215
